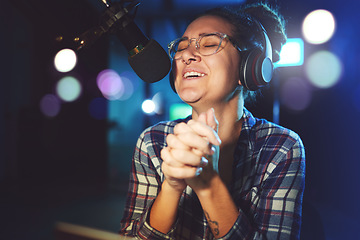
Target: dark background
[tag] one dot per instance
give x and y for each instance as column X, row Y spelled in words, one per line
column 74, row 168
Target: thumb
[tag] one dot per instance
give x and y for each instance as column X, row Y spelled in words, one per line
column 202, row 118
column 211, row 119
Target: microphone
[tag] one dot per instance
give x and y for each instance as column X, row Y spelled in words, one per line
column 146, row 57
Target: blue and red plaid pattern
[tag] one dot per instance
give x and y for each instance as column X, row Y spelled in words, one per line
column 267, row 185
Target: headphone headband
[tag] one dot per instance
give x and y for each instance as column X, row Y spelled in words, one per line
column 257, row 68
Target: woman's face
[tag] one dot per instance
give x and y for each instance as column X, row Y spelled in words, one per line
column 218, row 74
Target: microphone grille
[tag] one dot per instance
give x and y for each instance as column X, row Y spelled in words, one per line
column 152, row 63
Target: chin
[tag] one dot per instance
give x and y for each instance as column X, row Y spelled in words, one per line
column 190, row 101
column 189, row 95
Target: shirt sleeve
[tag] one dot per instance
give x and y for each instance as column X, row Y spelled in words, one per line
column 144, row 185
column 278, row 199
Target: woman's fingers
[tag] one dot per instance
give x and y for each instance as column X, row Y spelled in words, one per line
column 179, row 173
column 205, row 131
column 168, row 158
column 202, row 118
column 174, row 168
column 200, row 129
column 181, row 156
column 174, row 142
column 187, row 136
column 211, row 119
column 186, row 157
column 197, row 134
column 189, row 144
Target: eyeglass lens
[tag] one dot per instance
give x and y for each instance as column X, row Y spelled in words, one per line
column 205, row 45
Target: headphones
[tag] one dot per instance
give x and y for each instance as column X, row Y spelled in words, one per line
column 256, row 67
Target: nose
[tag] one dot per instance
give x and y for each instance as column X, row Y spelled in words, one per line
column 190, row 54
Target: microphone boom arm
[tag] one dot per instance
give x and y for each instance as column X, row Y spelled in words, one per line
column 112, row 15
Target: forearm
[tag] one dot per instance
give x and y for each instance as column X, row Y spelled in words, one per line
column 164, row 210
column 219, row 207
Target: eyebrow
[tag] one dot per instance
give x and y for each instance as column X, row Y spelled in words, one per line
column 200, row 34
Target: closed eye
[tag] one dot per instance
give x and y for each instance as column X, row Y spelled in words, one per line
column 209, row 46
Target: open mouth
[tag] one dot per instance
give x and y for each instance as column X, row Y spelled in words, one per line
column 189, row 75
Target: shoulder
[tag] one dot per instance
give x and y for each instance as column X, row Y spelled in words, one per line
column 159, row 131
column 264, row 129
column 267, row 135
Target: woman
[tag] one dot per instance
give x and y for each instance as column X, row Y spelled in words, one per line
column 220, row 173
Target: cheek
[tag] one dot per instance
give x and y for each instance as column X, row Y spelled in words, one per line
column 234, row 68
column 227, row 68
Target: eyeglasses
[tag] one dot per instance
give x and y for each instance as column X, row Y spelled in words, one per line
column 206, row 44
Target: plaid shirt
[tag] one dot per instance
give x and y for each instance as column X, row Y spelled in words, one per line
column 267, row 186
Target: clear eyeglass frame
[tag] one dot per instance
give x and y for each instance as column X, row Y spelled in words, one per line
column 205, row 48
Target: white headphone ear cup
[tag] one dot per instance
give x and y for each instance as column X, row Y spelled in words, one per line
column 267, row 70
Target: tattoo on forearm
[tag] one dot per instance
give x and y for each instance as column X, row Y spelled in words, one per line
column 213, row 224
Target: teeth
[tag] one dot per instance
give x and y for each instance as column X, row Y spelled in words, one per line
column 193, row 74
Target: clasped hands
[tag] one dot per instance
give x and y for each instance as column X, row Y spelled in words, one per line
column 192, row 153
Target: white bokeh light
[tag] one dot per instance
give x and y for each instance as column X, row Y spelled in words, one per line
column 318, row 26
column 65, row 60
column 148, row 106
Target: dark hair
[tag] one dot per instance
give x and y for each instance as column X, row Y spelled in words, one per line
column 247, row 35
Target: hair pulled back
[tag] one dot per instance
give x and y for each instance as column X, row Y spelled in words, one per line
column 245, row 32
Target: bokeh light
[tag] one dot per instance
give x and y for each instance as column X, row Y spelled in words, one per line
column 158, row 100
column 296, row 94
column 110, row 84
column 292, row 53
column 65, row 60
column 50, row 105
column 128, row 88
column 98, row 108
column 323, row 69
column 68, row 89
column 135, row 80
column 148, row 106
column 318, row 26
column 179, row 110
